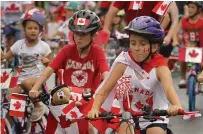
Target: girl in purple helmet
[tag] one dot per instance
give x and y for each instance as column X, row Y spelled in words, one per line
column 34, row 55
column 148, row 84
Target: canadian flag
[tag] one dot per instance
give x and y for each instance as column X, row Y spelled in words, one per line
column 136, row 5
column 71, row 111
column 17, row 105
column 29, row 13
column 161, row 7
column 81, row 21
column 191, row 54
column 191, row 115
column 121, row 35
column 116, row 109
column 9, row 80
column 5, row 79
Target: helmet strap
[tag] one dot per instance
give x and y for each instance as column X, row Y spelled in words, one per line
column 85, row 47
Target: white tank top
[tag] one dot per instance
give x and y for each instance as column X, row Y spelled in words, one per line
column 147, row 90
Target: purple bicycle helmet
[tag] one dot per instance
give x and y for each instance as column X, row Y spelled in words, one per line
column 148, row 27
column 33, row 15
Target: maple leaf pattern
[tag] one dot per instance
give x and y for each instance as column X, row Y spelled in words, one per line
column 73, row 114
column 163, row 7
column 139, row 105
column 81, row 21
column 80, row 77
column 63, row 122
column 193, row 54
column 4, row 77
column 17, row 105
column 12, row 7
column 149, row 101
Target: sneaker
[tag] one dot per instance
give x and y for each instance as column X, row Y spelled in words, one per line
column 182, row 84
column 200, row 78
column 37, row 113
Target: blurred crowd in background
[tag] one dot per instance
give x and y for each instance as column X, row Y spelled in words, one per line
column 56, row 32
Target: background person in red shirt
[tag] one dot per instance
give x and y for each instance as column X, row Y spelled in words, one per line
column 192, row 27
column 84, row 63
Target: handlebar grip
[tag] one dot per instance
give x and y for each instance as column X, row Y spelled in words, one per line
column 44, row 96
column 157, row 112
column 105, row 114
column 181, row 112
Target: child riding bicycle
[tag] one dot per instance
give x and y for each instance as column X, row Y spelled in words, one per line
column 33, row 53
column 83, row 62
column 144, row 69
column 192, row 32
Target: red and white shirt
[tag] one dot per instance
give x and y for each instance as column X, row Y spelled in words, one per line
column 192, row 32
column 144, row 91
column 131, row 14
column 81, row 72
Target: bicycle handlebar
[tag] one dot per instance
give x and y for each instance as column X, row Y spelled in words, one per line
column 153, row 115
column 44, row 96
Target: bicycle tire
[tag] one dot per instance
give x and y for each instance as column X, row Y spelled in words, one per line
column 191, row 92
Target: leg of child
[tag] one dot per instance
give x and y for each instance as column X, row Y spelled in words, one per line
column 126, row 128
column 182, row 83
column 38, row 110
column 91, row 129
column 200, row 77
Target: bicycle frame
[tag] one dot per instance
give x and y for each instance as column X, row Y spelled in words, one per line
column 192, row 57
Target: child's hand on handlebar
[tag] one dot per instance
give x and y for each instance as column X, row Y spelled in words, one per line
column 173, row 110
column 94, row 113
column 34, row 94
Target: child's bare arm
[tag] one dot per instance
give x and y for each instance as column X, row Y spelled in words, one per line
column 46, row 60
column 200, row 77
column 7, row 56
column 177, row 29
